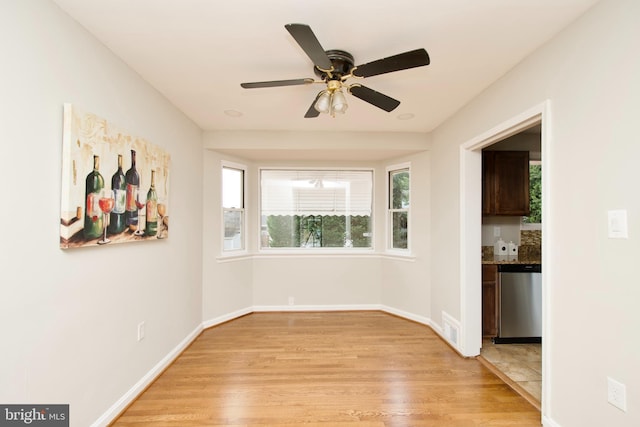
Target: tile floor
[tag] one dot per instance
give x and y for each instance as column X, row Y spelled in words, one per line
column 522, row 363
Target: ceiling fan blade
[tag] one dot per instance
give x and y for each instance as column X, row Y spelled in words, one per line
column 276, row 83
column 402, row 61
column 375, row 98
column 312, row 112
column 304, row 36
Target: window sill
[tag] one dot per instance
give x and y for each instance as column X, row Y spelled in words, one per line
column 317, row 253
column 234, row 256
column 365, row 253
column 399, row 256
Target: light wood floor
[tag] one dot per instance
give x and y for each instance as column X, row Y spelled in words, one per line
column 337, row 369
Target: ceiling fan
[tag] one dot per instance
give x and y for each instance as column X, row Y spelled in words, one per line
column 334, row 67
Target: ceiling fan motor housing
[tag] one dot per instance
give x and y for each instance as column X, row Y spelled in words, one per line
column 342, row 62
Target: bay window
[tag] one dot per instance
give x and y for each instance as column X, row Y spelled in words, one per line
column 398, row 180
column 233, row 207
column 319, row 208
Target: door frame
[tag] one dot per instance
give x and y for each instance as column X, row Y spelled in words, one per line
column 470, row 233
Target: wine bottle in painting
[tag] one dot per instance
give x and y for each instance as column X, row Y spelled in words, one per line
column 93, row 221
column 117, row 222
column 132, row 178
column 151, row 223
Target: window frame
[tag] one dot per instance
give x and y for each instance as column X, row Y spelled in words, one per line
column 300, row 250
column 242, row 209
column 391, row 169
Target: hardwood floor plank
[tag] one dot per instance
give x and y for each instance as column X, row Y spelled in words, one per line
column 365, row 369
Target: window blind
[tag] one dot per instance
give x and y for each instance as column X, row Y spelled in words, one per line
column 316, row 192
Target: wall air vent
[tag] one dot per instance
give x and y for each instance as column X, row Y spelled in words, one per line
column 451, row 328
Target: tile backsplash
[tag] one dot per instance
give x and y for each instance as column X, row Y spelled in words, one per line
column 531, row 237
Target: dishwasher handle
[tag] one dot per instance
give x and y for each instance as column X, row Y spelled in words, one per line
column 519, row 268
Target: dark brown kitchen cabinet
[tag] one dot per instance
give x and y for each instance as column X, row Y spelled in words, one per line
column 490, row 300
column 505, row 183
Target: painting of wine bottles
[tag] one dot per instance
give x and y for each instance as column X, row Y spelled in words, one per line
column 115, row 186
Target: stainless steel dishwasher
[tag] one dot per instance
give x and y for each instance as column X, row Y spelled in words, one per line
column 520, row 303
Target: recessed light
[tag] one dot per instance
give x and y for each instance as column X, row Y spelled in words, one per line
column 233, row 113
column 406, row 116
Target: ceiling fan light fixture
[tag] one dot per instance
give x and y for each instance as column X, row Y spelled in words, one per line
column 339, row 102
column 323, row 103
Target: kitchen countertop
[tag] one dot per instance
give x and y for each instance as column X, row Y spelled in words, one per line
column 527, row 254
column 506, row 259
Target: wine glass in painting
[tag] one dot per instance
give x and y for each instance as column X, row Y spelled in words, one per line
column 162, row 212
column 141, row 200
column 106, row 203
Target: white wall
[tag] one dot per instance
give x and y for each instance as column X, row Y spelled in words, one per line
column 445, row 234
column 406, row 283
column 590, row 75
column 69, row 318
column 227, row 285
column 520, row 142
column 320, row 146
column 322, row 282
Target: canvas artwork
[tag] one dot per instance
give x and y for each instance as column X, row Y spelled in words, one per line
column 115, row 187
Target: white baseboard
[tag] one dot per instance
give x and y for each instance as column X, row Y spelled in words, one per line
column 407, row 315
column 144, row 382
column 227, row 317
column 425, row 321
column 345, row 307
column 438, row 329
column 548, row 422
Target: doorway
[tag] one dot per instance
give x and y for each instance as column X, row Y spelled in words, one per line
column 513, row 348
column 470, row 223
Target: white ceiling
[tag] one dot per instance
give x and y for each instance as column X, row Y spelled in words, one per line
column 197, row 52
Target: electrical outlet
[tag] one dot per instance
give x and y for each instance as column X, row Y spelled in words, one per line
column 140, row 331
column 292, row 300
column 617, row 394
column 496, row 231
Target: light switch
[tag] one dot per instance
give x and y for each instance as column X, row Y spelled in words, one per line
column 617, row 221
